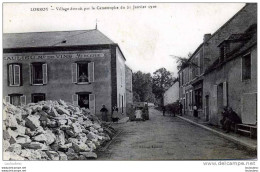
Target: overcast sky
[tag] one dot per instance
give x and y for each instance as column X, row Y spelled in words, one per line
column 147, row 37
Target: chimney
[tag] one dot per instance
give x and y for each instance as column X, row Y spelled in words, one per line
column 206, row 37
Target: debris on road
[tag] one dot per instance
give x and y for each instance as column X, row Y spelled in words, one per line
column 52, row 130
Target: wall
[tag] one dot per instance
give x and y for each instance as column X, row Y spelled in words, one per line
column 172, row 94
column 60, row 84
column 129, row 91
column 238, row 24
column 231, row 73
column 120, row 74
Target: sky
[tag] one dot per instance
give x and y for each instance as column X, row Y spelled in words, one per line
column 148, row 35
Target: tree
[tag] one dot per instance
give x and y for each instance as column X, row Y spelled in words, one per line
column 142, row 87
column 184, row 62
column 162, row 81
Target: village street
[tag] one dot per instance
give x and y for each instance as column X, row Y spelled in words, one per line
column 169, row 138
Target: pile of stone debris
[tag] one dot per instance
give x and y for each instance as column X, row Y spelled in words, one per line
column 52, row 130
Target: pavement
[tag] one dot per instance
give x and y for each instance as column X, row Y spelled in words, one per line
column 170, row 138
column 244, row 141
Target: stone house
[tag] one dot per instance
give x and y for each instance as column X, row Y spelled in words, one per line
column 193, row 86
column 172, row 94
column 83, row 67
column 129, row 88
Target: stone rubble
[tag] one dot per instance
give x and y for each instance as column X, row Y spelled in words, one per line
column 52, row 130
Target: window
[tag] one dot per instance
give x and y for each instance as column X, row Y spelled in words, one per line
column 198, row 98
column 14, row 74
column 38, row 73
column 82, row 72
column 16, row 99
column 37, row 97
column 224, row 50
column 83, row 100
column 246, row 67
column 86, row 100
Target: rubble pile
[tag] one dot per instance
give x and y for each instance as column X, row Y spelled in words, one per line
column 52, row 130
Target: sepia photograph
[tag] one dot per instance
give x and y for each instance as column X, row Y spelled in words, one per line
column 129, row 82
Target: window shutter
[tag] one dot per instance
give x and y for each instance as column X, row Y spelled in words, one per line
column 215, row 90
column 44, row 72
column 23, row 100
column 30, row 73
column 225, row 94
column 11, row 75
column 7, row 99
column 74, row 72
column 91, row 72
column 75, row 99
column 92, row 103
column 16, row 75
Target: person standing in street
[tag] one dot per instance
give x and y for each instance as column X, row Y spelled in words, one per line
column 180, row 108
column 104, row 113
column 195, row 111
column 115, row 115
column 163, row 109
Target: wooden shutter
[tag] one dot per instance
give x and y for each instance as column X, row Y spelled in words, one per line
column 16, row 75
column 23, row 100
column 44, row 72
column 75, row 99
column 215, row 91
column 92, row 103
column 225, row 103
column 74, row 72
column 249, row 108
column 30, row 73
column 11, row 81
column 91, row 72
column 7, row 99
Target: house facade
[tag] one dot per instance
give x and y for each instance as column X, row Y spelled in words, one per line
column 172, row 94
column 196, row 88
column 82, row 67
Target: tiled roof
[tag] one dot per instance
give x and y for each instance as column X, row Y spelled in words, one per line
column 57, row 38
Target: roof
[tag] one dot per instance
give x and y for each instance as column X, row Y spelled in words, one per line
column 247, row 44
column 56, row 38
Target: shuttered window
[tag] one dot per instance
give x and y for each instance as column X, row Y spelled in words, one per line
column 16, row 99
column 225, row 94
column 246, row 67
column 38, row 73
column 85, row 100
column 82, row 72
column 14, row 74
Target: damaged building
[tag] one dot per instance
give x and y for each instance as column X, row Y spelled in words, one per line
column 82, row 67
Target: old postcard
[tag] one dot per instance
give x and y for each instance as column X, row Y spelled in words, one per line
column 129, row 81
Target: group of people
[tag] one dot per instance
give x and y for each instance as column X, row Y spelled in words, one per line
column 229, row 118
column 104, row 113
column 175, row 109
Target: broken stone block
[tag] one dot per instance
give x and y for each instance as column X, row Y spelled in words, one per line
column 82, row 137
column 66, row 146
column 60, row 137
column 46, row 108
column 35, row 145
column 53, row 155
column 62, row 110
column 62, row 122
column 65, row 127
column 43, row 116
column 22, row 139
column 80, row 147
column 53, row 112
column 91, row 145
column 96, row 126
column 63, row 156
column 76, row 128
column 10, row 121
column 71, row 133
column 52, row 124
column 32, row 154
column 72, row 156
column 10, row 156
column 32, row 122
column 89, row 155
column 48, row 137
column 29, row 132
column 6, row 145
column 15, row 148
column 20, row 130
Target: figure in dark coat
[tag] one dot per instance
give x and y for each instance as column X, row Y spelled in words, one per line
column 104, row 113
